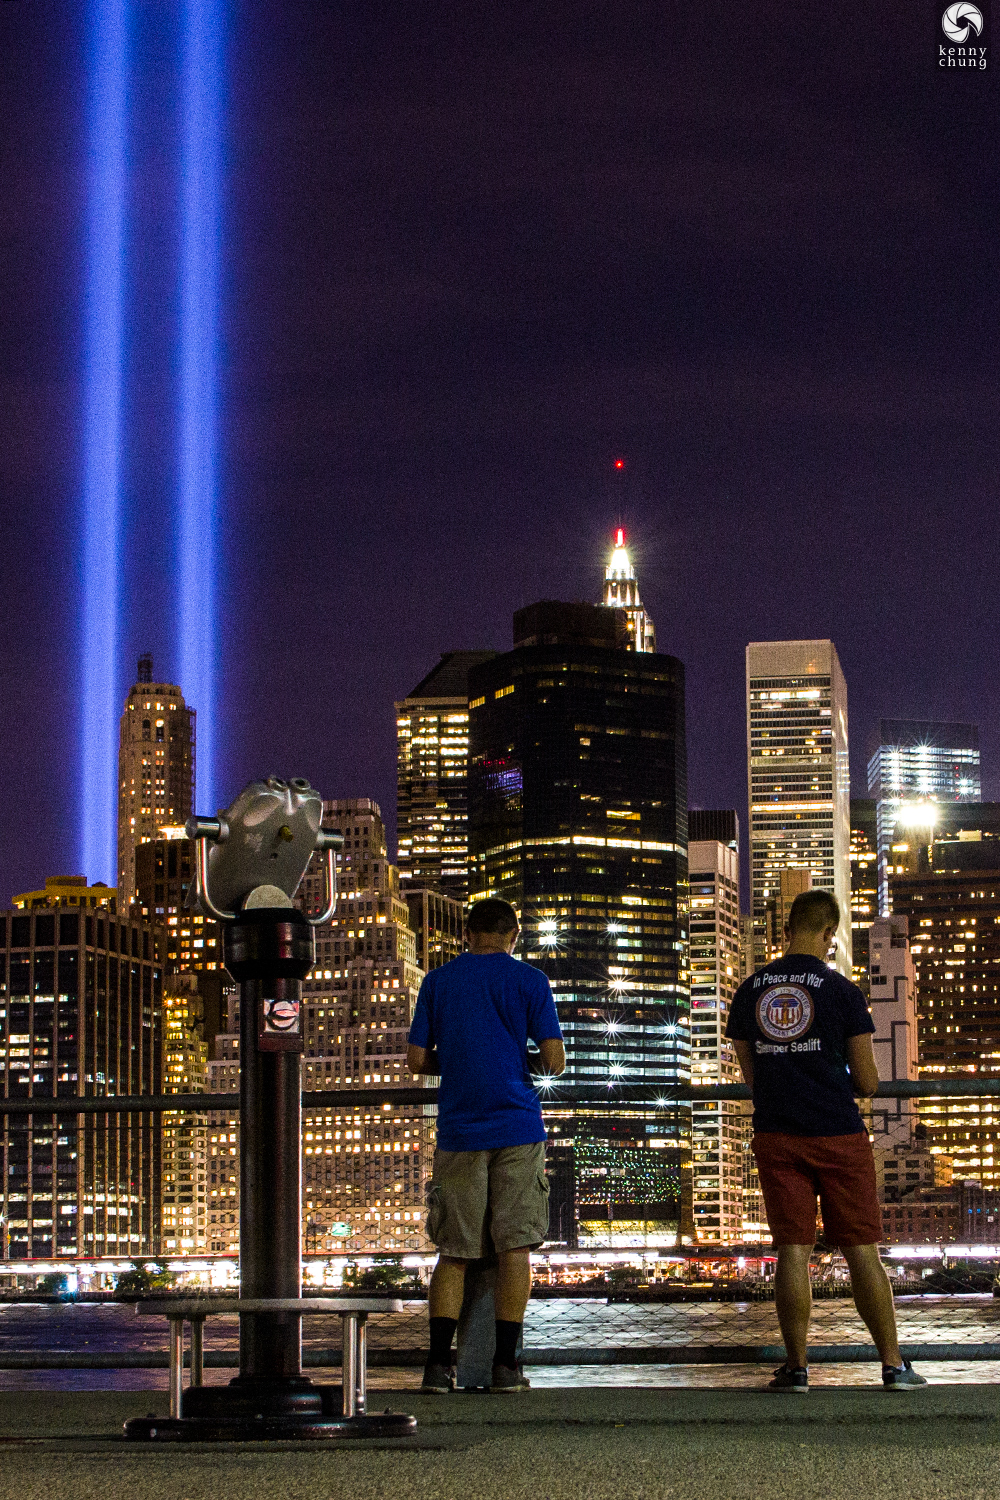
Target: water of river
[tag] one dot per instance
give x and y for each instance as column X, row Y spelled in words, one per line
column 563, row 1324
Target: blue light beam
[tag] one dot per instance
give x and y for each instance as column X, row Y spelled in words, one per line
column 198, row 458
column 100, row 561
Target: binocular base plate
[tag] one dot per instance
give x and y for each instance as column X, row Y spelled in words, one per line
column 388, row 1424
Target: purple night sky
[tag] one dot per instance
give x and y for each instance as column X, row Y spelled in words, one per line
column 472, row 254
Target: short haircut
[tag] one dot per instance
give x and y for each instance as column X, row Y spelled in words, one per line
column 813, row 910
column 491, row 915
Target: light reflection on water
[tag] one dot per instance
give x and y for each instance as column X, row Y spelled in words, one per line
column 557, row 1323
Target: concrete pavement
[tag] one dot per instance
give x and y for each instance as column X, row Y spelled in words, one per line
column 564, row 1444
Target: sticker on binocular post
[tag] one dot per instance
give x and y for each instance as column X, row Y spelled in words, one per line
column 280, row 1027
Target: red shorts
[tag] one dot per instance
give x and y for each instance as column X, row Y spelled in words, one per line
column 839, row 1170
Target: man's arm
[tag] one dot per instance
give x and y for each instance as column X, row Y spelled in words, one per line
column 861, row 1065
column 553, row 1055
column 422, row 1060
column 744, row 1056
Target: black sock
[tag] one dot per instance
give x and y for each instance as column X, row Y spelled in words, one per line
column 442, row 1333
column 507, row 1337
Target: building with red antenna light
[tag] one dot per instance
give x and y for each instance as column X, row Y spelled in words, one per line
column 621, row 591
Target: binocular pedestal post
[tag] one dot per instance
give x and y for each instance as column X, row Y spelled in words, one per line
column 269, row 951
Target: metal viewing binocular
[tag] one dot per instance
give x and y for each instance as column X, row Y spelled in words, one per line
column 255, row 854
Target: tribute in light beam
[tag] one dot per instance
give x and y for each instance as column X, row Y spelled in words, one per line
column 105, row 247
column 198, row 458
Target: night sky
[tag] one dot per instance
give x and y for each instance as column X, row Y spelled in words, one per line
column 473, row 253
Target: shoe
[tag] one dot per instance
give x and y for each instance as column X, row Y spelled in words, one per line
column 901, row 1377
column 438, row 1379
column 505, row 1379
column 787, row 1379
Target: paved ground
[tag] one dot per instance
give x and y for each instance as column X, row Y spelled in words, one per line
column 595, row 1444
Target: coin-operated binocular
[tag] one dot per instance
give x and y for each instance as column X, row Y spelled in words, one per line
column 249, row 863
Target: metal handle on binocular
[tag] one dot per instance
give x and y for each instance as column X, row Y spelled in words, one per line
column 216, row 830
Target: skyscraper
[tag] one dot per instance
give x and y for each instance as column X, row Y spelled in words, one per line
column 578, row 816
column 432, row 727
column 82, row 1015
column 163, row 872
column 155, row 769
column 918, row 761
column 948, row 886
column 798, row 773
column 184, row 1195
column 365, row 1168
column 716, row 1128
column 864, row 884
column 621, row 591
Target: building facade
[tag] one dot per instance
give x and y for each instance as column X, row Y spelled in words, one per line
column 914, row 761
column 716, row 1128
column 438, row 924
column 949, row 890
column 892, row 988
column 68, row 890
column 864, row 884
column 184, row 1169
column 432, row 729
column 578, row 817
column 156, row 764
column 82, row 1016
column 799, row 774
column 163, row 873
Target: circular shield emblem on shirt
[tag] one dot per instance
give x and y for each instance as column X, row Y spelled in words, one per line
column 785, row 1012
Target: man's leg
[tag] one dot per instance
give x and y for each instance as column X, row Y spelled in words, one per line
column 513, row 1284
column 873, row 1299
column 793, row 1301
column 447, row 1288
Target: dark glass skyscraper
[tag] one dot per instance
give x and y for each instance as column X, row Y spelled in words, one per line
column 578, row 816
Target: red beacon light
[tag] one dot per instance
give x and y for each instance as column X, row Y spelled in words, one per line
column 620, row 537
column 619, row 463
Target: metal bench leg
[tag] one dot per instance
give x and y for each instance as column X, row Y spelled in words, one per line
column 349, row 1376
column 362, row 1363
column 176, row 1364
column 197, row 1351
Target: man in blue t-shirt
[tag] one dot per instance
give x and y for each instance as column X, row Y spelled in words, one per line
column 803, row 1036
column 472, row 1023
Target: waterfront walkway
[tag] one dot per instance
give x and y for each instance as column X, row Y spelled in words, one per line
column 551, row 1444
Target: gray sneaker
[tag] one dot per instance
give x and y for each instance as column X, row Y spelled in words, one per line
column 438, row 1379
column 901, row 1377
column 787, row 1379
column 504, row 1379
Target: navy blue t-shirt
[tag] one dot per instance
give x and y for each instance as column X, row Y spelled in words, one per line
column 477, row 1013
column 797, row 1014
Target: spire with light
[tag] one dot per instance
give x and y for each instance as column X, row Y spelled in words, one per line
column 621, row 591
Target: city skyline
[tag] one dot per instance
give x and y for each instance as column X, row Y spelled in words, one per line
column 644, row 245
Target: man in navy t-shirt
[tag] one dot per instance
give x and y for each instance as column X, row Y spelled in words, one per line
column 803, row 1036
column 472, row 1023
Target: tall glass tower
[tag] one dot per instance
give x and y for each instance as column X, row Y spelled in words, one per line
column 913, row 763
column 578, row 817
column 621, row 591
column 799, row 776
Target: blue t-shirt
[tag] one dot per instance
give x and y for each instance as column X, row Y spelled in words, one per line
column 477, row 1014
column 797, row 1014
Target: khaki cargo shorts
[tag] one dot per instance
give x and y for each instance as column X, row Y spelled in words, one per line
column 480, row 1201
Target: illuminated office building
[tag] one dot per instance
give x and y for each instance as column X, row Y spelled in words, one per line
column 155, row 769
column 163, row 873
column 789, row 884
column 438, row 924
column 432, row 729
column 798, row 774
column 578, row 817
column 81, row 1016
column 892, row 986
column 184, row 1196
column 716, row 1128
column 621, row 591
column 948, row 887
column 915, row 761
column 864, row 884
